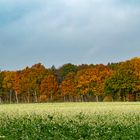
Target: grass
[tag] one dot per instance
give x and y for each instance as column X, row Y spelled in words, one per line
column 70, row 121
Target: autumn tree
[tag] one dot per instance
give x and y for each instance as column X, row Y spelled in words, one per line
column 17, row 84
column 31, row 80
column 38, row 71
column 136, row 65
column 91, row 80
column 72, row 83
column 83, row 79
column 8, row 83
column 49, row 87
column 1, row 86
column 68, row 87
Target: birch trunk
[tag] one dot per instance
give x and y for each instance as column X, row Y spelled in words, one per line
column 35, row 94
column 16, row 94
column 97, row 99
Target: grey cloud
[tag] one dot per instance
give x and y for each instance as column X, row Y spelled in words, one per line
column 77, row 31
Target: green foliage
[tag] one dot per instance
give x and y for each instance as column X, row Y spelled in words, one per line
column 114, row 66
column 67, row 68
column 100, row 122
column 123, row 81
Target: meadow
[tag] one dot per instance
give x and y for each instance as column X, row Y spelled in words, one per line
column 70, row 121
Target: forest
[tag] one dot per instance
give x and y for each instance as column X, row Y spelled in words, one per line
column 72, row 83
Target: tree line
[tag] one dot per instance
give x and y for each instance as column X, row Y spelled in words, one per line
column 72, row 83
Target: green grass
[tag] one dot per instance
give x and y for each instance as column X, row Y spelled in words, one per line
column 70, row 121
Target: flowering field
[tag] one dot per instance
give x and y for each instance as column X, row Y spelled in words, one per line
column 70, row 121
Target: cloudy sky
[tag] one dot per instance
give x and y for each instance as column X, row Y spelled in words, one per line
column 55, row 32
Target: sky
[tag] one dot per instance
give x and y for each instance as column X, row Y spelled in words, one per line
column 56, row 32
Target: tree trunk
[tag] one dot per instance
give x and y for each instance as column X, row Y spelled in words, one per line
column 76, row 100
column 124, row 98
column 97, row 99
column 69, row 98
column 51, row 97
column 85, row 98
column 10, row 96
column 82, row 98
column 72, row 98
column 35, row 96
column 0, row 100
column 16, row 94
column 64, row 98
column 112, row 99
column 28, row 98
